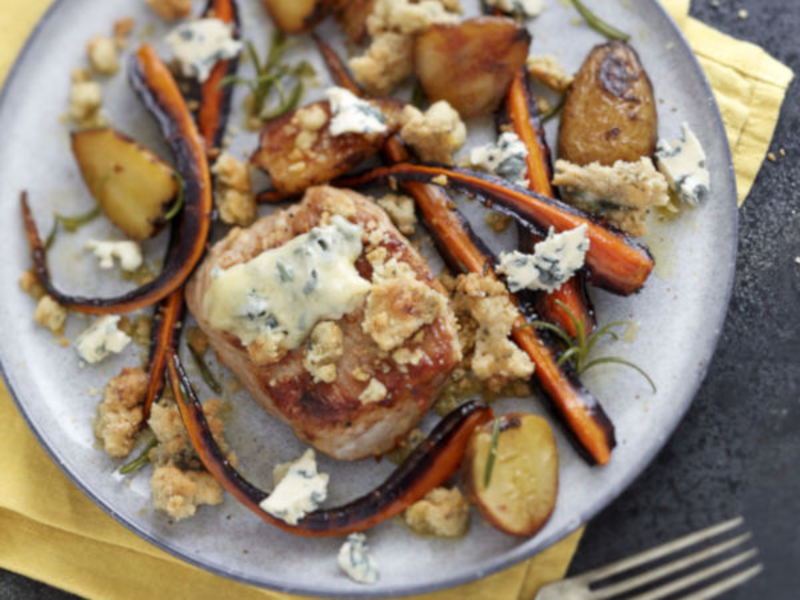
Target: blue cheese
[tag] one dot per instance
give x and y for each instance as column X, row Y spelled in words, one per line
column 526, row 8
column 505, row 159
column 128, row 253
column 299, row 492
column 356, row 561
column 554, row 261
column 101, row 339
column 278, row 297
column 683, row 163
column 351, row 114
column 199, row 45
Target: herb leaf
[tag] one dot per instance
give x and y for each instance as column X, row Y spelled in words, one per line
column 205, row 372
column 176, row 208
column 600, row 26
column 487, row 476
column 140, row 461
column 70, row 224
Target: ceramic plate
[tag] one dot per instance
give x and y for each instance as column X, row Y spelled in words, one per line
column 680, row 313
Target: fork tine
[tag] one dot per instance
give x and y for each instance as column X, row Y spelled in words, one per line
column 669, row 568
column 720, row 587
column 654, row 553
column 689, row 580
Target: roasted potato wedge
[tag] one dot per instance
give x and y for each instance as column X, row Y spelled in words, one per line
column 298, row 157
column 524, row 480
column 351, row 15
column 471, row 64
column 133, row 186
column 610, row 113
column 297, row 16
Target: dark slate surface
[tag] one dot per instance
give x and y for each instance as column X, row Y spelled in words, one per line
column 738, row 450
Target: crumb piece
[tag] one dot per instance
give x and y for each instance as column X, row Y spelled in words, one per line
column 498, row 222
column 171, row 10
column 622, row 194
column 359, row 374
column 387, row 62
column 496, row 358
column 743, row 14
column 374, row 392
column 234, row 191
column 85, row 101
column 771, row 157
column 399, row 304
column 323, row 350
column 138, row 329
column 440, row 180
column 442, row 512
column 402, row 16
column 29, row 284
column 119, row 413
column 180, row 493
column 51, row 315
column 406, row 446
column 782, row 152
column 436, row 134
column 406, row 356
column 103, row 56
column 547, row 69
column 122, row 31
column 197, row 340
column 401, row 210
column 310, row 120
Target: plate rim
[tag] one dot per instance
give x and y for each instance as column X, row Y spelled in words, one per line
column 507, row 560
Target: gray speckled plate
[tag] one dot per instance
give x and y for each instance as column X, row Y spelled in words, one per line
column 680, row 312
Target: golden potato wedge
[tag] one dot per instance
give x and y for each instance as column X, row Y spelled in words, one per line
column 297, row 16
column 471, row 64
column 299, row 151
column 133, row 186
column 351, row 15
column 524, row 480
column 610, row 113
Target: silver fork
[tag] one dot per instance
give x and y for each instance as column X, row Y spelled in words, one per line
column 585, row 586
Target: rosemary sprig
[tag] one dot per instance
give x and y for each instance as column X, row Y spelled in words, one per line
column 270, row 76
column 553, row 111
column 176, row 208
column 578, row 349
column 487, row 476
column 205, row 372
column 418, row 97
column 140, row 461
column 71, row 224
column 600, row 26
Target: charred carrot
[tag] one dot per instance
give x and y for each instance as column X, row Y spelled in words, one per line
column 155, row 84
column 163, row 341
column 519, row 112
column 433, row 462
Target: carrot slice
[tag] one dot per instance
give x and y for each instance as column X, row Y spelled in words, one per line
column 433, row 462
column 519, row 111
column 153, row 81
column 163, row 341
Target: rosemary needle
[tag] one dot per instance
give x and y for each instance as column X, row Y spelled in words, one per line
column 487, row 477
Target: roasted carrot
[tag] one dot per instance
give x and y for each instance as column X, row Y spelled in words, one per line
column 520, row 113
column 215, row 99
column 163, row 341
column 615, row 261
column 155, row 84
column 433, row 462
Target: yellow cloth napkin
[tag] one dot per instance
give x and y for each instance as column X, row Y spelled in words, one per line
column 50, row 531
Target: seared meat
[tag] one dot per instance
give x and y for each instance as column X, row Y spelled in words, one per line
column 355, row 392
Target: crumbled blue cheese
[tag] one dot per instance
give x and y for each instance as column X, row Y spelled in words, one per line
column 506, row 158
column 299, row 492
column 101, row 339
column 683, row 163
column 356, row 561
column 351, row 114
column 281, row 294
column 526, row 8
column 199, row 45
column 554, row 261
column 129, row 254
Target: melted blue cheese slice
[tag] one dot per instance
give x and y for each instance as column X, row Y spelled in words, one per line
column 281, row 294
column 351, row 114
column 554, row 261
column 356, row 561
column 199, row 45
column 505, row 159
column 299, row 492
column 683, row 163
column 101, row 339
